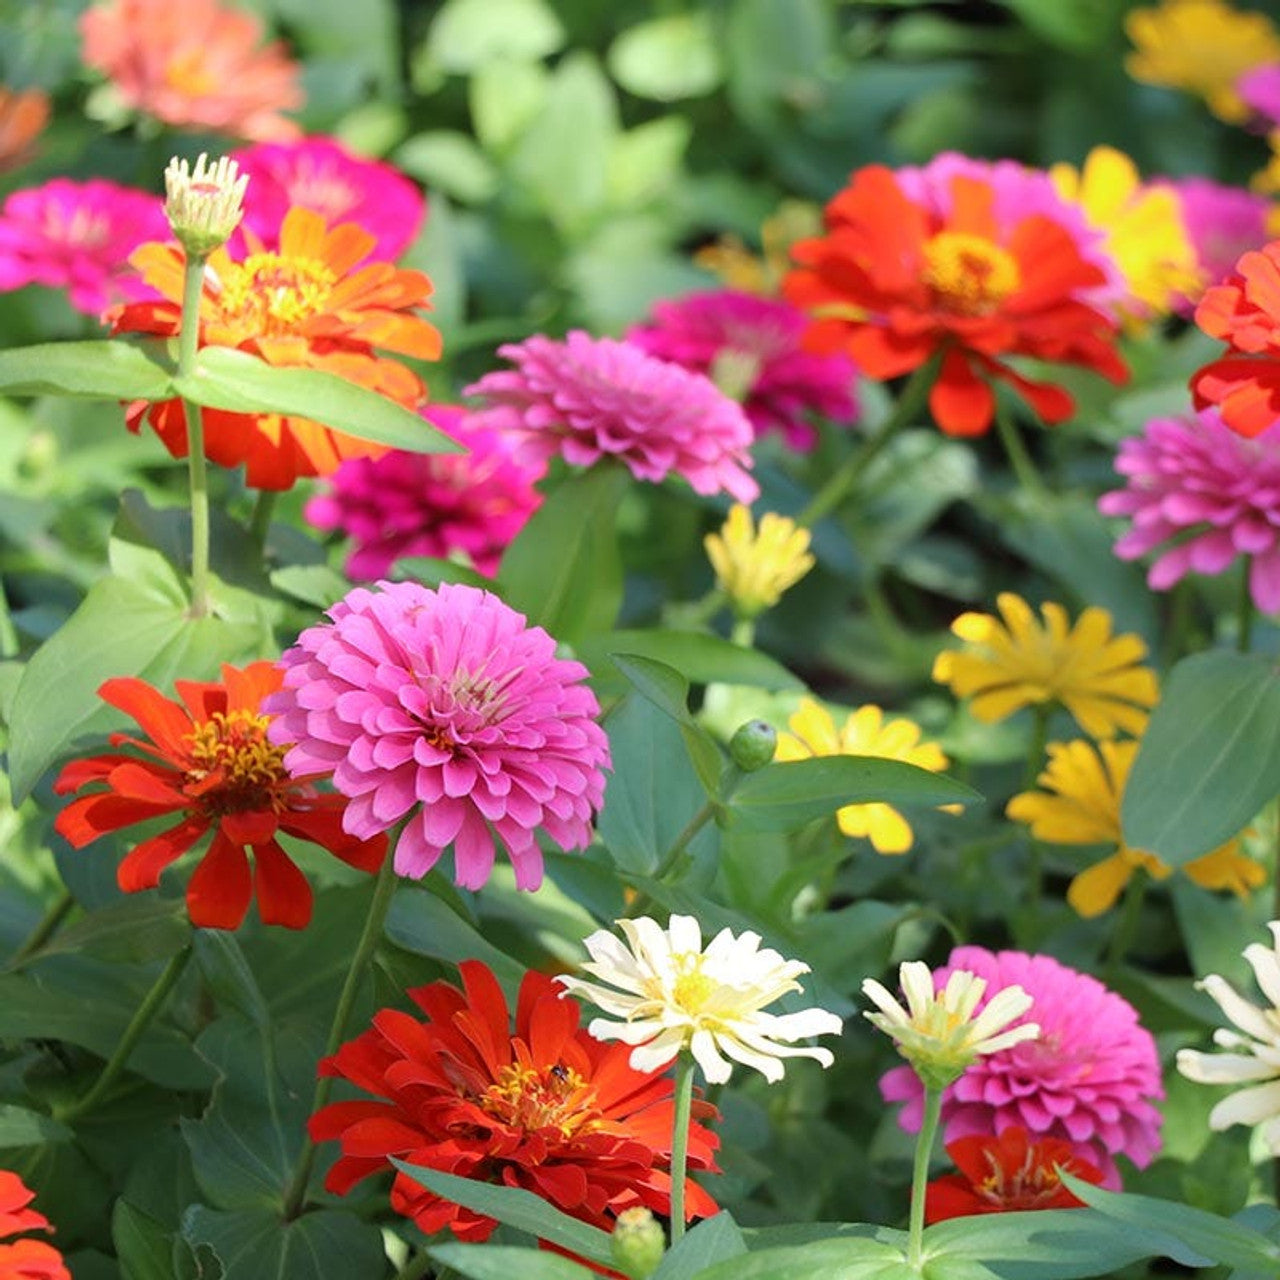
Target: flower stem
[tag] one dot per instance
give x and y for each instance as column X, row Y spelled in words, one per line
column 842, row 480
column 743, row 633
column 1127, row 923
column 147, row 1010
column 57, row 912
column 920, row 1175
column 680, row 1141
column 1016, row 450
column 1245, row 610
column 197, row 471
column 383, row 891
column 260, row 521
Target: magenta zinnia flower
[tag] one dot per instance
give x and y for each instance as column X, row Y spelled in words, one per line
column 1214, row 493
column 430, row 504
column 78, row 236
column 1222, row 223
column 321, row 175
column 589, row 398
column 753, row 342
column 1260, row 90
column 444, row 706
column 1091, row 1077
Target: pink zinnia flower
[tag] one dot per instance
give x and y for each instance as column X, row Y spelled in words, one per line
column 589, row 398
column 78, row 236
column 1222, row 222
column 430, row 504
column 321, row 175
column 1213, row 493
column 1260, row 90
column 195, row 65
column 742, row 340
column 1091, row 1077
column 446, row 708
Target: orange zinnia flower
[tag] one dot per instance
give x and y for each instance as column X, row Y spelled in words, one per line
column 305, row 305
column 22, row 117
column 195, row 65
column 893, row 282
column 208, row 760
column 25, row 1259
column 1244, row 311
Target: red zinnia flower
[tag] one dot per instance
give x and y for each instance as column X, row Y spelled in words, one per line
column 25, row 1259
column 1005, row 1173
column 548, row 1109
column 1244, row 311
column 894, row 281
column 208, row 759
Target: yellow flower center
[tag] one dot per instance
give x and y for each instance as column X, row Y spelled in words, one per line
column 233, row 767
column 272, row 295
column 970, row 275
column 189, row 73
column 1029, row 1186
column 533, row 1098
column 692, row 988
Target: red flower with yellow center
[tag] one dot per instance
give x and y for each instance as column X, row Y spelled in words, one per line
column 893, row 283
column 306, row 305
column 1244, row 311
column 207, row 758
column 549, row 1109
column 1000, row 1174
column 25, row 1259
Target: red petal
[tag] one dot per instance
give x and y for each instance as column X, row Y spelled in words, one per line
column 162, row 719
column 142, row 867
column 84, row 820
column 284, row 896
column 221, row 887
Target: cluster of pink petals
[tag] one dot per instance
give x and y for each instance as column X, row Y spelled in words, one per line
column 1222, row 223
column 321, row 175
column 78, row 236
column 1260, row 91
column 446, row 708
column 1090, row 1078
column 589, row 398
column 430, row 504
column 196, row 64
column 729, row 334
column 1213, row 493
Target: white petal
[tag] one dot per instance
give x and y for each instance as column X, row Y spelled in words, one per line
column 714, row 1067
column 1266, row 969
column 1223, row 1068
column 685, row 934
column 1249, row 1018
column 917, row 985
column 627, row 1032
column 1015, row 1035
column 802, row 1024
column 1003, row 1007
column 650, row 945
column 766, row 1064
column 656, row 1054
column 1248, row 1106
column 880, row 994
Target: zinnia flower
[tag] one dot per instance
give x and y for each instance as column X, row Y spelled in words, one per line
column 866, row 732
column 207, row 760
column 1091, row 1078
column 77, row 236
column 548, row 1108
column 430, row 504
column 25, row 1259
column 446, row 708
column 1013, row 662
column 751, row 348
column 940, row 1031
column 307, row 306
column 1079, row 804
column 1202, row 46
column 196, row 65
column 320, row 174
column 1223, row 222
column 1252, row 1058
column 1212, row 494
column 673, row 995
column 896, row 281
column 1004, row 1173
column 754, row 567
column 23, row 116
column 589, row 398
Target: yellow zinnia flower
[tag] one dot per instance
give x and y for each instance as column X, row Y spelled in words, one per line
column 754, row 567
column 1083, row 787
column 1018, row 663
column 738, row 268
column 865, row 733
column 1144, row 229
column 1202, row 46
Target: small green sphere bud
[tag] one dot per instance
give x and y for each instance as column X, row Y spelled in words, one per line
column 753, row 745
column 638, row 1243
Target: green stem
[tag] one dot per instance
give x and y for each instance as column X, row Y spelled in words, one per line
column 197, row 470
column 384, row 888
column 9, row 644
column 848, row 473
column 680, row 1141
column 1019, row 459
column 416, row 1267
column 920, row 1175
column 1245, row 610
column 260, row 522
column 743, row 633
column 1035, row 759
column 57, row 912
column 150, row 1006
column 1127, row 924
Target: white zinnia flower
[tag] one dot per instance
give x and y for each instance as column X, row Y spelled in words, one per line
column 672, row 995
column 1256, row 1055
column 937, row 1032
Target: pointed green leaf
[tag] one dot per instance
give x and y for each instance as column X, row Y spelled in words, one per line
column 701, row 658
column 131, row 931
column 502, row 1262
column 846, row 1257
column 709, row 1242
column 20, row 1127
column 143, row 1246
column 102, row 369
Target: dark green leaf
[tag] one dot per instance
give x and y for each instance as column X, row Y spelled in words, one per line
column 20, row 1127
column 143, row 1246
column 96, row 370
column 133, row 930
column 502, row 1262
column 709, row 1242
column 848, row 1257
column 698, row 656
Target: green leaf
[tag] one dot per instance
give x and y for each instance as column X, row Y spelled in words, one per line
column 143, row 1246
column 449, row 161
column 133, row 930
column 516, row 1208
column 699, row 657
column 786, row 794
column 502, row 1262
column 241, row 383
column 563, row 571
column 711, row 1241
column 846, row 1257
column 669, row 58
column 467, row 34
column 97, row 370
column 1209, row 758
column 505, row 96
column 314, row 584
column 20, row 1127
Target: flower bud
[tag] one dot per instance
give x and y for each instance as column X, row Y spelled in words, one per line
column 205, row 206
column 753, row 745
column 637, row 1243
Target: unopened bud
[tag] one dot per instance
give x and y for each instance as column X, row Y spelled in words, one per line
column 204, row 206
column 753, row 745
column 638, row 1243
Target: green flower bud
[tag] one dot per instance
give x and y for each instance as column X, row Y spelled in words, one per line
column 205, row 206
column 753, row 745
column 638, row 1243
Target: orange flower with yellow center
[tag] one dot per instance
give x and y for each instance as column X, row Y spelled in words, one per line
column 307, row 305
column 968, row 274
